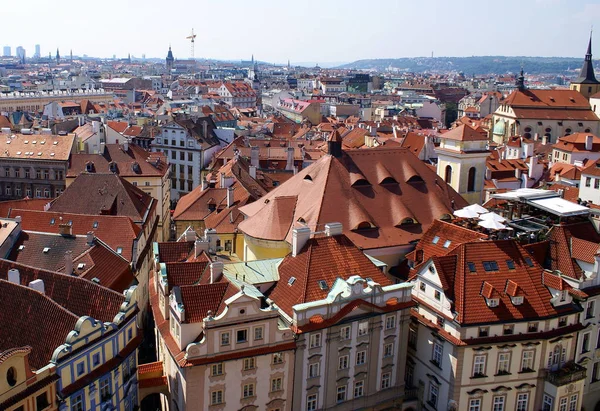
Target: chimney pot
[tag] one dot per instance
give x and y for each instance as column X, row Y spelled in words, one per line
column 589, row 143
column 229, row 197
column 254, row 156
column 90, row 238
column 190, row 235
column 252, row 171
column 216, row 271
column 332, row 229
column 300, row 237
column 14, row 276
column 37, row 285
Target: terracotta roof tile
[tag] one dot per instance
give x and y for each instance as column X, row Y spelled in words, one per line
column 199, row 299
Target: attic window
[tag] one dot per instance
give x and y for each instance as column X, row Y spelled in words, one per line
column 363, row 226
column 308, row 177
column 472, row 268
column 528, row 261
column 51, row 221
column 510, row 264
column 415, row 179
column 21, row 247
column 361, row 182
column 518, row 300
column 95, row 225
column 388, row 180
column 45, row 250
column 323, row 285
column 493, row 302
column 119, row 250
column 80, row 266
column 490, row 266
column 291, row 281
column 447, row 243
column 408, row 221
column 435, row 240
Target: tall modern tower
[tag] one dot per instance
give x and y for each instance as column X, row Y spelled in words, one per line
column 38, row 53
column 6, row 52
column 21, row 53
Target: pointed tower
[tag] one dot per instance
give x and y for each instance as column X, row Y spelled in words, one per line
column 520, row 83
column 57, row 57
column 169, row 60
column 586, row 83
column 71, row 55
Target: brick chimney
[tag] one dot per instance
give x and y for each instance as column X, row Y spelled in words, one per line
column 254, row 152
column 289, row 165
column 65, row 229
column 69, row 262
column 589, row 143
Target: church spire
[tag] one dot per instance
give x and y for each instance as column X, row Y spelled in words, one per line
column 586, row 75
column 520, row 83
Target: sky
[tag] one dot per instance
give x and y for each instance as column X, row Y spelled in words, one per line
column 321, row 31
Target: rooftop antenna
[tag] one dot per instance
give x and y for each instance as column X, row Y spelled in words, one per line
column 192, row 38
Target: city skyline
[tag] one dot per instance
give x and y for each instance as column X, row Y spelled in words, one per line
column 277, row 33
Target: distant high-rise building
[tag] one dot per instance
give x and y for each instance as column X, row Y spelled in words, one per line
column 6, row 51
column 37, row 54
column 20, row 53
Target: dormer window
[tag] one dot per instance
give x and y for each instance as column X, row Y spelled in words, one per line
column 492, row 302
column 518, row 300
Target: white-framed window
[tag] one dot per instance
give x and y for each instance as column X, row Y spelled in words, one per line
column 361, row 357
column 278, row 358
column 573, row 402
column 562, row 404
column 341, row 393
column 225, row 338
column 248, row 390
column 386, row 380
column 390, row 322
column 434, row 392
column 479, row 365
column 363, row 328
column 388, row 350
column 522, row 401
column 503, row 363
column 589, row 310
column 77, row 403
column 345, row 332
column 343, row 362
column 249, row 363
column 311, row 402
column 475, row 404
column 498, row 403
column 315, row 340
column 359, row 389
column 314, row 370
column 258, row 333
column 585, row 342
column 547, row 403
column 437, row 353
column 277, row 384
column 527, row 360
column 216, row 397
column 216, row 369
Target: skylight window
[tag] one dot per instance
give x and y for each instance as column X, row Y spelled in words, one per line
column 95, row 225
column 435, row 240
column 80, row 266
column 323, row 285
column 119, row 250
column 471, row 267
column 51, row 221
column 21, row 247
column 45, row 250
column 447, row 243
column 528, row 261
column 510, row 264
column 490, row 266
column 292, row 280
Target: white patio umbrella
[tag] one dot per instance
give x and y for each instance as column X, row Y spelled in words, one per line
column 477, row 208
column 491, row 224
column 466, row 213
column 492, row 216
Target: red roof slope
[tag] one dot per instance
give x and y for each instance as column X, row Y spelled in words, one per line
column 199, row 299
column 563, row 251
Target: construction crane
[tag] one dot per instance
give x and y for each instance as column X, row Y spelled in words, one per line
column 192, row 38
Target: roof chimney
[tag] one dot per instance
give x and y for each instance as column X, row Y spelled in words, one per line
column 216, row 271
column 90, row 238
column 37, row 285
column 190, row 235
column 68, row 262
column 589, row 142
column 252, row 171
column 290, row 159
column 300, row 236
column 254, row 151
column 65, row 229
column 334, row 143
column 200, row 246
column 332, row 229
column 126, row 145
column 14, row 276
column 229, row 197
column 204, row 184
column 205, row 129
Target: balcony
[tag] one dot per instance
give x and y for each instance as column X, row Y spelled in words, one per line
column 568, row 373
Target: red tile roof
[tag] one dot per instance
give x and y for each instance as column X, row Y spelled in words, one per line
column 464, row 132
column 185, row 273
column 199, row 299
column 562, row 255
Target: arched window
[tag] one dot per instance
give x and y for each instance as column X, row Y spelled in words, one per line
column 363, row 226
column 471, row 179
column 448, row 177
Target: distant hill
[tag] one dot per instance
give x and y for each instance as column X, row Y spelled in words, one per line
column 474, row 65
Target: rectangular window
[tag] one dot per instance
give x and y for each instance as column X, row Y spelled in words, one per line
column 433, row 394
column 77, row 403
column 573, row 402
column 80, row 368
column 241, row 336
column 363, row 328
column 190, row 156
column 343, row 362
column 390, row 322
column 585, row 343
column 311, row 402
column 278, row 358
column 588, row 181
column 490, row 266
column 479, row 366
column 314, row 370
column 436, row 354
column 345, row 333
column 527, row 361
column 258, row 333
column 41, row 401
column 216, row 397
column 437, row 295
column 173, row 154
column 341, row 393
column 475, row 404
column 508, row 329
column 522, row 401
column 361, row 357
column 595, row 369
column 96, row 360
column 484, row 331
column 217, row 369
column 315, row 340
column 249, row 363
column 412, row 337
column 422, row 286
column 248, row 390
column 597, row 183
column 386, row 380
column 547, row 403
column 388, row 350
column 182, row 155
column 498, row 403
column 503, row 363
column 105, row 393
column 276, row 384
column 562, row 404
column 359, row 389
column 532, row 327
column 589, row 310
